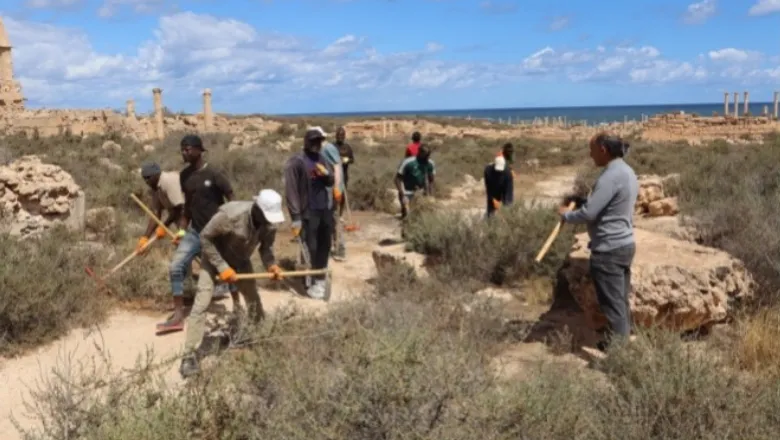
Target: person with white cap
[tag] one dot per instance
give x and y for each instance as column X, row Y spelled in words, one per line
column 227, row 243
column 498, row 183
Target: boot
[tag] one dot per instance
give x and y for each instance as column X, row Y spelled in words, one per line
column 189, row 366
column 176, row 321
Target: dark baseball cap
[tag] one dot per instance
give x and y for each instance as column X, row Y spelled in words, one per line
column 314, row 134
column 150, row 169
column 192, row 140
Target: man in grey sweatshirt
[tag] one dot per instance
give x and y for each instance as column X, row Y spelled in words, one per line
column 608, row 213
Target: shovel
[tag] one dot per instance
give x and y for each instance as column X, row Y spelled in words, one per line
column 102, row 280
column 350, row 227
column 156, row 220
column 551, row 238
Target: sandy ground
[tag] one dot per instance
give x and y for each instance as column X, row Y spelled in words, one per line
column 126, row 337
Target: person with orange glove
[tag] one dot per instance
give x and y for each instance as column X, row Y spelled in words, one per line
column 227, row 243
column 309, row 181
column 498, row 181
column 332, row 154
column 166, row 195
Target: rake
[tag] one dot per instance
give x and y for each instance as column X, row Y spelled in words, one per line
column 350, row 227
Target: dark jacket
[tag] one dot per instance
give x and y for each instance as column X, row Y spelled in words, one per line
column 497, row 183
column 298, row 185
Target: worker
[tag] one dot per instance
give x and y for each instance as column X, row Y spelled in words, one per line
column 332, row 154
column 415, row 173
column 498, row 180
column 205, row 189
column 414, row 146
column 166, row 194
column 308, row 179
column 508, row 153
column 608, row 214
column 347, row 159
column 228, row 241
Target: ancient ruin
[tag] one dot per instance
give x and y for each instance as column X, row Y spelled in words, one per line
column 11, row 99
column 208, row 116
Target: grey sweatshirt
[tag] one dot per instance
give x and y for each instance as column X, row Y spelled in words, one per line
column 609, row 211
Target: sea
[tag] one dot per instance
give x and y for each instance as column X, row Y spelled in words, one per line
column 589, row 115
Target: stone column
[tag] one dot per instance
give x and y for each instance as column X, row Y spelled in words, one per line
column 736, row 104
column 746, row 104
column 766, row 111
column 131, row 109
column 776, row 102
column 208, row 116
column 726, row 104
column 158, row 113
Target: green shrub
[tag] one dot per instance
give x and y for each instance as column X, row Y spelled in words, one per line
column 44, row 290
column 500, row 250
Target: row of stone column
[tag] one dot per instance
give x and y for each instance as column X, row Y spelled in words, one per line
column 746, row 104
column 159, row 125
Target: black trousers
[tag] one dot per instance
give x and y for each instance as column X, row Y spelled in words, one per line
column 611, row 274
column 317, row 233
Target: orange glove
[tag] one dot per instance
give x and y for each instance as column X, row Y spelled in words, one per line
column 228, row 275
column 160, row 232
column 320, row 170
column 141, row 246
column 337, row 195
column 496, row 204
column 276, row 270
column 296, row 228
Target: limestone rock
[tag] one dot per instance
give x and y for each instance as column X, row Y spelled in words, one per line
column 675, row 227
column 385, row 257
column 651, row 188
column 149, row 148
column 676, row 284
column 35, row 196
column 664, row 207
column 101, row 220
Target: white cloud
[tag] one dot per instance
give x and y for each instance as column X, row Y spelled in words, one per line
column 559, row 23
column 188, row 52
column 764, row 7
column 700, row 12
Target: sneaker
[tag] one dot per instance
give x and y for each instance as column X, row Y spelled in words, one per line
column 340, row 254
column 317, row 291
column 189, row 366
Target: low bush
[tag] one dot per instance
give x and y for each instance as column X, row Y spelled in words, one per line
column 44, row 291
column 500, row 250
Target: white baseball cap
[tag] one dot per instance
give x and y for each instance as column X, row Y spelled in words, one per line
column 500, row 163
column 270, row 202
column 319, row 129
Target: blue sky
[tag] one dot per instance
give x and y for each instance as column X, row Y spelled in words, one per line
column 293, row 56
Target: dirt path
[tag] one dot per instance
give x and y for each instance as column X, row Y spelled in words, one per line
column 126, row 337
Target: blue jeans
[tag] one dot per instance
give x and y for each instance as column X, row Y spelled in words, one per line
column 188, row 249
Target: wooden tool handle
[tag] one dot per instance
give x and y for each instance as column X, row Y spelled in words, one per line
column 151, row 214
column 292, row 273
column 551, row 238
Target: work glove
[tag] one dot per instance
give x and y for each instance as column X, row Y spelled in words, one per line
column 160, row 232
column 142, row 243
column 337, row 195
column 496, row 203
column 296, row 228
column 277, row 271
column 345, row 159
column 179, row 235
column 320, row 170
column 228, row 275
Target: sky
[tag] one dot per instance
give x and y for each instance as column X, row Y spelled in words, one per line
column 326, row 56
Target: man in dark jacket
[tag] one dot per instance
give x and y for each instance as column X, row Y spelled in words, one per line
column 308, row 179
column 498, row 183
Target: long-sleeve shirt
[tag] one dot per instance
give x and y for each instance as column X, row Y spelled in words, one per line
column 347, row 158
column 300, row 188
column 498, row 184
column 609, row 211
column 230, row 237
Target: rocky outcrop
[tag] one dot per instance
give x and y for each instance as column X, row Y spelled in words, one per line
column 35, row 196
column 653, row 198
column 387, row 258
column 676, row 284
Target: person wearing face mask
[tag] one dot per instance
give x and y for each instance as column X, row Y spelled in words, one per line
column 309, row 180
column 608, row 213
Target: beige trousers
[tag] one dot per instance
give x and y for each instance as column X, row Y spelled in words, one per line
column 196, row 323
